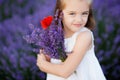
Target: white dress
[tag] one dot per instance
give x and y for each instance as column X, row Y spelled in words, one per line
column 88, row 69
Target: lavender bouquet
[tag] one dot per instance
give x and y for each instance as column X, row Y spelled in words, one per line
column 50, row 38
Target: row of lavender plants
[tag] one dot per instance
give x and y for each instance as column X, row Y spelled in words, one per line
column 19, row 7
column 18, row 62
column 107, row 36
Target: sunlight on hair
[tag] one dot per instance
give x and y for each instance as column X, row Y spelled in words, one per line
column 89, row 1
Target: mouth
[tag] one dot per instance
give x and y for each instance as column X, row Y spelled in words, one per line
column 77, row 25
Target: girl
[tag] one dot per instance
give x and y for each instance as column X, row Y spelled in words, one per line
column 82, row 63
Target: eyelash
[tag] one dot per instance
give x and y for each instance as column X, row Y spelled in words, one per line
column 82, row 14
column 72, row 14
column 85, row 13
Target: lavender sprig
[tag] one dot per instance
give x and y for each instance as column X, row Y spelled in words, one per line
column 50, row 39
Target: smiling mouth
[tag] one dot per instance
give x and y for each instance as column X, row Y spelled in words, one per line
column 77, row 25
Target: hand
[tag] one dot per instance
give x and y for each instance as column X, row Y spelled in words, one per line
column 69, row 53
column 41, row 59
column 46, row 56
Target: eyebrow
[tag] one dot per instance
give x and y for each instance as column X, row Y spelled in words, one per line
column 82, row 12
column 86, row 11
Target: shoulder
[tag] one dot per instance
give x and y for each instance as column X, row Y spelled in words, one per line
column 85, row 35
column 84, row 39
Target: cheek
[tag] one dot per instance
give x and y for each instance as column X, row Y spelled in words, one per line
column 67, row 21
column 85, row 20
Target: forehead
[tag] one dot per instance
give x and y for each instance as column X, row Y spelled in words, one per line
column 76, row 5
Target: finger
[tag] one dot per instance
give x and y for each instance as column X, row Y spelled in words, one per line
column 41, row 51
column 41, row 54
column 38, row 64
column 38, row 55
column 68, row 54
column 47, row 58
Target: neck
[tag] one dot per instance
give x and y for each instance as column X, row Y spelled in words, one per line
column 68, row 33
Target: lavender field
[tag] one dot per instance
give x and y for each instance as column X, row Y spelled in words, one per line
column 18, row 61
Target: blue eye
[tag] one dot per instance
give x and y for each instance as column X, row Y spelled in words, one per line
column 85, row 14
column 72, row 14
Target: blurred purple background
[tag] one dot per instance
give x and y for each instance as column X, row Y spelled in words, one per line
column 18, row 62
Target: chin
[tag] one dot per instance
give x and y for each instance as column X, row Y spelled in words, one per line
column 77, row 29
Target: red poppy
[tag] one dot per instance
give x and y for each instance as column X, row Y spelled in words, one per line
column 45, row 23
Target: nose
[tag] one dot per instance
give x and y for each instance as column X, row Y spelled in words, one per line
column 79, row 18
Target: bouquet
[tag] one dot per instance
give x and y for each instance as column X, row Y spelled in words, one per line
column 50, row 38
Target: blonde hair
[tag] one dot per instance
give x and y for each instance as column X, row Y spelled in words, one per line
column 60, row 4
column 89, row 1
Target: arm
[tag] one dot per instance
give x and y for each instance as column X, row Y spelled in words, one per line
column 66, row 68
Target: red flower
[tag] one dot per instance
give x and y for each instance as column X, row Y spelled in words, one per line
column 45, row 23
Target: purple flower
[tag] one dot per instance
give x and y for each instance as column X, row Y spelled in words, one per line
column 50, row 39
column 109, row 28
column 1, row 1
column 117, row 39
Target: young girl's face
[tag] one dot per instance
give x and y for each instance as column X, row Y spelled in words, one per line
column 75, row 14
